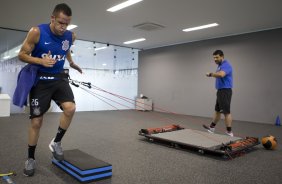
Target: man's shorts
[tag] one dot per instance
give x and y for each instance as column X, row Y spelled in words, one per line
column 223, row 101
column 45, row 91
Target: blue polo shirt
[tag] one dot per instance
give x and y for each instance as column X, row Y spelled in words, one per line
column 227, row 80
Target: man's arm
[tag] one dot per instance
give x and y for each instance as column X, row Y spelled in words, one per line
column 31, row 39
column 219, row 74
column 69, row 58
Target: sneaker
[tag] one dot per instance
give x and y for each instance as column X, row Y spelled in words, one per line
column 209, row 129
column 230, row 134
column 29, row 167
column 57, row 150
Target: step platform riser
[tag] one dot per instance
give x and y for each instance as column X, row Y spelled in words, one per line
column 84, row 167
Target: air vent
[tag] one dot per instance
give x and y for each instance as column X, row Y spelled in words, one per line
column 148, row 26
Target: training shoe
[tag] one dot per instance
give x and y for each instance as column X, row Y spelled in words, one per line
column 230, row 134
column 209, row 129
column 29, row 167
column 57, row 150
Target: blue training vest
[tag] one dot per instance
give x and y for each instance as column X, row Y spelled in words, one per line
column 57, row 45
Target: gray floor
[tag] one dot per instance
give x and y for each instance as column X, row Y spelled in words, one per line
column 112, row 136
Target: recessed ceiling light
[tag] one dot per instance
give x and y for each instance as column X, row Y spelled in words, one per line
column 100, row 48
column 71, row 26
column 123, row 5
column 104, row 64
column 6, row 57
column 134, row 41
column 200, row 27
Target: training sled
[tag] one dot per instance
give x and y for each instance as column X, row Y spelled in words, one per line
column 84, row 167
column 203, row 142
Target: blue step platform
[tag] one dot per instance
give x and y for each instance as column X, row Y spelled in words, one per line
column 84, row 167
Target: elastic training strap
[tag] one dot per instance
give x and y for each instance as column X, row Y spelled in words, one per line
column 64, row 74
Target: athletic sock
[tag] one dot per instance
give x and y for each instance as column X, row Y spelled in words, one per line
column 212, row 125
column 31, row 151
column 61, row 132
column 228, row 129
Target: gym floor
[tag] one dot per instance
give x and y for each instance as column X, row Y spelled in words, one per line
column 112, row 136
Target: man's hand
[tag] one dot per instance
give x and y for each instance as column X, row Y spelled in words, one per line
column 47, row 61
column 76, row 67
column 209, row 74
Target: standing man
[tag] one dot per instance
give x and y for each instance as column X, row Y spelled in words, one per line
column 46, row 47
column 223, row 83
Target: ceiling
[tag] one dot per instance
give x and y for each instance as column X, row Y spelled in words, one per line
column 96, row 24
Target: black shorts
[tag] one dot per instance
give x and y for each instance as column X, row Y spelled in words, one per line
column 223, row 101
column 45, row 91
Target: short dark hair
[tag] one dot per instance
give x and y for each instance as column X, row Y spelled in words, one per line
column 63, row 7
column 218, row 52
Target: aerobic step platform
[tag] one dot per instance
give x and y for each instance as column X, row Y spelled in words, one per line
column 201, row 141
column 84, row 167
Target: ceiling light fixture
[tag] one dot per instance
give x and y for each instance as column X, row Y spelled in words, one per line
column 71, row 26
column 100, row 48
column 6, row 57
column 11, row 53
column 200, row 27
column 134, row 41
column 123, row 5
